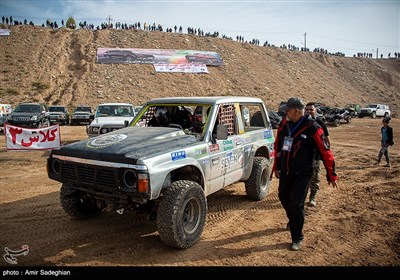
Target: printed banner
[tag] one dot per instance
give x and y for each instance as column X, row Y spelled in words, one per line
column 19, row 138
column 158, row 56
column 181, row 68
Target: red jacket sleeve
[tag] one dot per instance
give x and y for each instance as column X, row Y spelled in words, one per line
column 277, row 146
column 327, row 155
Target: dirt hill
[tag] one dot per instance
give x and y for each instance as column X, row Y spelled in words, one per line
column 59, row 67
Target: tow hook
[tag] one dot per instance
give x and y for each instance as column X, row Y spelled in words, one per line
column 120, row 211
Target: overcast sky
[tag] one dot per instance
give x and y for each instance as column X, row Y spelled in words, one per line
column 347, row 26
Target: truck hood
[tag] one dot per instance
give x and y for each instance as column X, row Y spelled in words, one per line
column 129, row 144
column 101, row 121
column 24, row 114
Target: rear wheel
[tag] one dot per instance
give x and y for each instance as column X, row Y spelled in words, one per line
column 257, row 186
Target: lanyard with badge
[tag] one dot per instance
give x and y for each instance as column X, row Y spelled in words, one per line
column 288, row 140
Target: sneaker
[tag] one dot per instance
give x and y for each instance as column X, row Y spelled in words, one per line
column 296, row 246
column 387, row 165
column 313, row 203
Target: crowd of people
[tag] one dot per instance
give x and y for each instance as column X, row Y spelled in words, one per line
column 190, row 30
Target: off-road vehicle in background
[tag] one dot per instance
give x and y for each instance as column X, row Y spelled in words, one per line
column 375, row 110
column 353, row 108
column 59, row 114
column 110, row 117
column 167, row 161
column 29, row 115
column 336, row 116
column 82, row 114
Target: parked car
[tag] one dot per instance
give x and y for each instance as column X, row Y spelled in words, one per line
column 29, row 115
column 137, row 109
column 110, row 117
column 59, row 114
column 82, row 114
column 167, row 171
column 375, row 110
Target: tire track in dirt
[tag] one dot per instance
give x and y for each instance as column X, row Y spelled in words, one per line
column 232, row 198
column 74, row 67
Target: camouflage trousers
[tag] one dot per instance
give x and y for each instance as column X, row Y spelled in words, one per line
column 313, row 185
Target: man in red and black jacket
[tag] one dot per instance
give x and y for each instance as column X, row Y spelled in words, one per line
column 298, row 139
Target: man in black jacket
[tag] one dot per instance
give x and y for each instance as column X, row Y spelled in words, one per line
column 298, row 139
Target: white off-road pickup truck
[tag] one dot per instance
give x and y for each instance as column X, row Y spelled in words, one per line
column 174, row 153
column 375, row 110
column 110, row 117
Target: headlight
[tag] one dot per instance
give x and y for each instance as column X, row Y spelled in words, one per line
column 130, row 179
column 34, row 118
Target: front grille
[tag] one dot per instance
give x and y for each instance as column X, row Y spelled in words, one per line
column 93, row 176
column 21, row 119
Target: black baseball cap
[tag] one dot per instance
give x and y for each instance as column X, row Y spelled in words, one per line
column 295, row 102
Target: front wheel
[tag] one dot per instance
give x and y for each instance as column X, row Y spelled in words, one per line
column 76, row 204
column 181, row 215
column 257, row 186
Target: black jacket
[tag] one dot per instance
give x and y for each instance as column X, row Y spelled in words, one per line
column 389, row 132
column 308, row 138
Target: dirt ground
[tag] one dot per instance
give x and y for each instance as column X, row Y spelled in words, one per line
column 356, row 225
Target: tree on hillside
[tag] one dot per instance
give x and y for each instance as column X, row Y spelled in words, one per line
column 70, row 23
